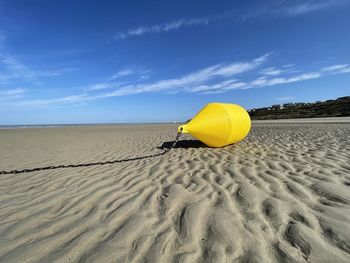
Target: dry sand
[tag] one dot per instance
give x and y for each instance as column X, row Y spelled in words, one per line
column 282, row 195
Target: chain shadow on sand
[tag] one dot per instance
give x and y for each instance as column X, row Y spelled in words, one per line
column 183, row 144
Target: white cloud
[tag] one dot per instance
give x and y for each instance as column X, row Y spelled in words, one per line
column 15, row 69
column 217, row 86
column 281, row 8
column 137, row 75
column 303, row 7
column 123, row 73
column 291, row 8
column 101, row 86
column 263, row 82
column 193, row 79
column 260, row 82
column 144, row 77
column 11, row 94
column 271, row 71
column 166, row 27
column 56, row 101
column 184, row 83
column 106, row 85
column 54, row 73
column 142, row 74
column 335, row 68
column 198, row 77
column 345, row 70
column 218, row 78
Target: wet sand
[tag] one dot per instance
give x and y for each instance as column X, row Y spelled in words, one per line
column 281, row 195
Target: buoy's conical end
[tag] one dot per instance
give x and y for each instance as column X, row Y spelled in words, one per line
column 182, row 129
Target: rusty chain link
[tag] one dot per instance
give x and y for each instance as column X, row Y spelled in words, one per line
column 166, row 150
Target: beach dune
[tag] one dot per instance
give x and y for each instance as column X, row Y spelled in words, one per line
column 281, row 195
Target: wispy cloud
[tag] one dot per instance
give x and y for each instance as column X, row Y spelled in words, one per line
column 302, row 7
column 218, row 87
column 196, row 78
column 291, row 8
column 271, row 71
column 101, row 86
column 277, row 71
column 142, row 74
column 282, row 8
column 218, row 79
column 15, row 69
column 73, row 99
column 123, row 73
column 336, row 68
column 184, row 83
column 122, row 78
column 344, row 70
column 214, row 79
column 166, row 27
column 263, row 82
column 11, row 94
column 54, row 73
column 274, row 71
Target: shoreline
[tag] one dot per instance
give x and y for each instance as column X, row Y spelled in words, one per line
column 328, row 120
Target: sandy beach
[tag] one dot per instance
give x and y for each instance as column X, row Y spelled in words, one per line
column 281, row 195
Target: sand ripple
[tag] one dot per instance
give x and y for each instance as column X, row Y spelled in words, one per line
column 282, row 195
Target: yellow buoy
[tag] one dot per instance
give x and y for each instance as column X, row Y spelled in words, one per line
column 219, row 124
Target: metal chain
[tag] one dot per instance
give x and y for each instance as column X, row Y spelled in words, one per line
column 166, row 150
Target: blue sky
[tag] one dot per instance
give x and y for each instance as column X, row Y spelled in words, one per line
column 159, row 61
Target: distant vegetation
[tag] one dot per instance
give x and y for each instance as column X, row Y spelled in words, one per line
column 330, row 108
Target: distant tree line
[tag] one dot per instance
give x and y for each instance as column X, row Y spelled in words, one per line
column 330, row 108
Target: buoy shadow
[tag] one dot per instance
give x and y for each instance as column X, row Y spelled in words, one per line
column 183, row 144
